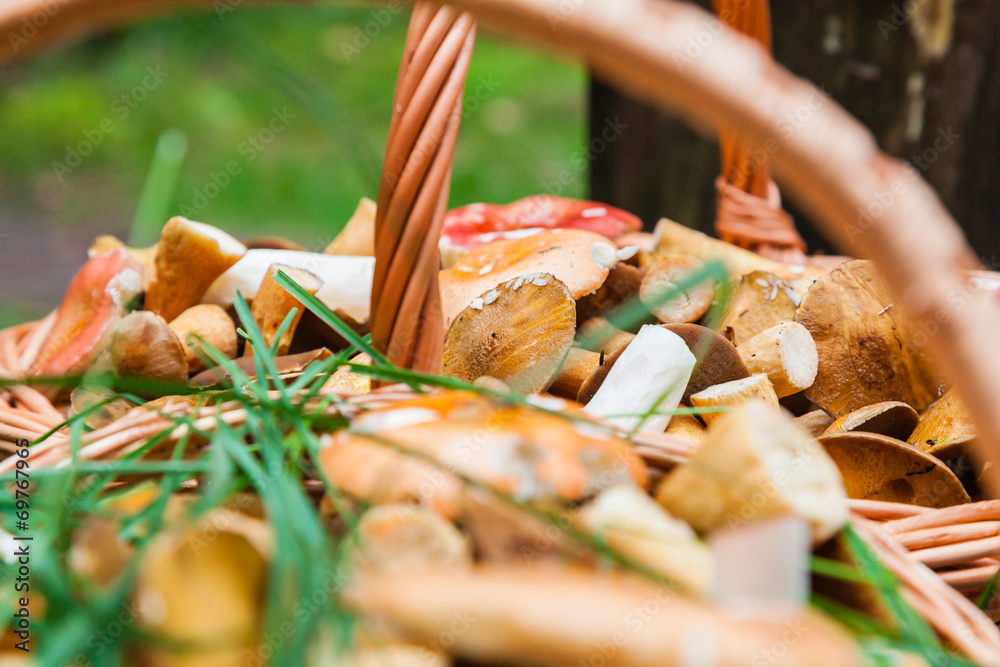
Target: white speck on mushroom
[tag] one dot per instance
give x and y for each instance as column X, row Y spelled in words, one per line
column 486, row 269
column 885, row 309
column 762, row 282
column 603, row 255
column 477, row 304
column 628, row 252
column 491, row 296
column 594, row 212
column 540, row 281
column 793, row 296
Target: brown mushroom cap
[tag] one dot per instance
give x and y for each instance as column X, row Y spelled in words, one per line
column 892, row 418
column 718, row 359
column 945, row 428
column 518, row 332
column 868, row 351
column 565, row 253
column 877, row 467
column 532, row 455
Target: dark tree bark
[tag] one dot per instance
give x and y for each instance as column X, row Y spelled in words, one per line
column 942, row 115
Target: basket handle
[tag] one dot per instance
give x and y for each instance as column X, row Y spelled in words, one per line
column 680, row 57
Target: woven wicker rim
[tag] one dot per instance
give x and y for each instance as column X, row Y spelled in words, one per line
column 872, row 205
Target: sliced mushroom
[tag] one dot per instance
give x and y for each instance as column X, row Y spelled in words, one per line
column 756, row 464
column 661, row 281
column 600, row 335
column 143, row 346
column 565, row 253
column 579, row 365
column 650, row 376
column 868, row 350
column 786, row 353
column 213, row 325
column 347, row 281
column 189, row 257
column 877, row 467
column 358, row 235
column 346, row 380
column 733, row 393
column 519, row 332
column 945, row 429
column 892, row 418
column 759, row 301
column 397, row 539
column 633, row 524
column 532, row 455
column 686, row 427
column 273, row 303
column 718, row 361
column 593, row 382
column 620, row 288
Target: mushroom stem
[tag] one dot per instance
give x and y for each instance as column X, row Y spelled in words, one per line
column 273, row 303
column 358, row 235
column 733, row 393
column 580, row 364
column 786, row 353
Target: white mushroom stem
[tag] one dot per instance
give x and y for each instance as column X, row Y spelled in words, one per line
column 347, row 281
column 786, row 353
column 650, row 376
column 731, row 394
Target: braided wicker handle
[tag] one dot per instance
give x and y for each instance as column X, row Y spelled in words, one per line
column 872, row 205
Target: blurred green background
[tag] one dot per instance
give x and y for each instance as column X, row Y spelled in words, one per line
column 221, row 78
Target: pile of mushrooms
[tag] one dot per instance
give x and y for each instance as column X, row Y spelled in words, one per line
column 711, row 434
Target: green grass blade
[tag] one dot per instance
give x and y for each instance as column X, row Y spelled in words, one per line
column 158, row 191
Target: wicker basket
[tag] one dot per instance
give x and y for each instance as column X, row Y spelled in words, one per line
column 870, row 204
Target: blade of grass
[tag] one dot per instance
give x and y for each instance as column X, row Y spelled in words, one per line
column 158, row 191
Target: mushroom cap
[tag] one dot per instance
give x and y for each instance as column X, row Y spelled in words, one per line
column 663, row 278
column 565, row 253
column 877, row 467
column 892, row 418
column 518, row 332
column 718, row 359
column 530, row 454
column 144, row 346
column 945, row 428
column 759, row 301
column 868, row 350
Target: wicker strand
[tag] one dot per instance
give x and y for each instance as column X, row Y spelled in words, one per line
column 413, row 195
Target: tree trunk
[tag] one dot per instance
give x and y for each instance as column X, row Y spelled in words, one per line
column 942, row 115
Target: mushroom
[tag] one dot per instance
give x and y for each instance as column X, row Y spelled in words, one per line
column 213, row 325
column 686, row 427
column 661, row 281
column 143, row 256
column 718, row 361
column 755, row 464
column 397, row 539
column 289, row 366
column 814, row 422
column 346, row 380
column 600, row 335
column 877, row 467
column 673, row 237
column 892, row 418
column 347, row 281
column 273, row 303
column 733, row 393
column 944, row 429
column 565, row 253
column 633, row 524
column 557, row 616
column 650, row 376
column 620, row 288
column 273, row 243
column 189, row 257
column 786, row 353
column 869, row 352
column 144, row 346
column 519, row 332
column 578, row 367
column 519, row 450
column 358, row 235
column 96, row 299
column 759, row 302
